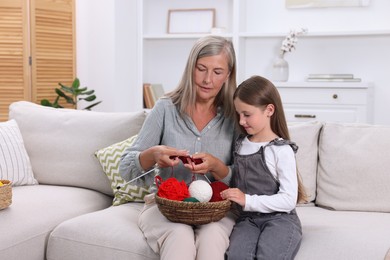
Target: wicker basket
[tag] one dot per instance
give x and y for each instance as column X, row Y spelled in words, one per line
column 193, row 213
column 5, row 194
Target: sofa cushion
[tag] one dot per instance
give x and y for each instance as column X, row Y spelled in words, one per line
column 112, row 233
column 109, row 158
column 61, row 142
column 329, row 234
column 15, row 163
column 305, row 135
column 36, row 210
column 354, row 167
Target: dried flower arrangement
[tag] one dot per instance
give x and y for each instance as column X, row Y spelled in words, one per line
column 291, row 40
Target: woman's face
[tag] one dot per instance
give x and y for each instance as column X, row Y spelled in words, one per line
column 210, row 74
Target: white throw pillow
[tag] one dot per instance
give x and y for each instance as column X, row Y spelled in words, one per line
column 354, row 166
column 15, row 164
column 305, row 135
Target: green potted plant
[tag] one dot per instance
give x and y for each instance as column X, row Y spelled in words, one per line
column 72, row 95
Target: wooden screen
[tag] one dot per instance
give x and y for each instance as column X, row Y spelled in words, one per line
column 14, row 53
column 37, row 50
column 53, row 47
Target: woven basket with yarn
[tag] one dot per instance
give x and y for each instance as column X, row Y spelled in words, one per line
column 193, row 213
column 5, row 194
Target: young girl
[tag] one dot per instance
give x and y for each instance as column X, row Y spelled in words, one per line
column 265, row 183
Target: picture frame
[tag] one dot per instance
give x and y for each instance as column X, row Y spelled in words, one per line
column 190, row 20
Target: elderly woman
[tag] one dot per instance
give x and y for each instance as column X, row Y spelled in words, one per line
column 196, row 119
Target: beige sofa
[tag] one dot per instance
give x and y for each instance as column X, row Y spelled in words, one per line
column 69, row 214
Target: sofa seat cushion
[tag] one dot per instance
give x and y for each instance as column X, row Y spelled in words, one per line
column 111, row 233
column 36, row 210
column 329, row 234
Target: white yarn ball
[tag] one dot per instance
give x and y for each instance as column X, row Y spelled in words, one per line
column 200, row 190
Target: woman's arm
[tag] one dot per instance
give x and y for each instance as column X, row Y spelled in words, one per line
column 147, row 149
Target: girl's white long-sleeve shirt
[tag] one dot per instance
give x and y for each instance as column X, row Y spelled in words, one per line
column 281, row 162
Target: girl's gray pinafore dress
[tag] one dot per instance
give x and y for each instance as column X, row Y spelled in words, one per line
column 258, row 235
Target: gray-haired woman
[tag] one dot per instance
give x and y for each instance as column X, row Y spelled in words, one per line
column 197, row 119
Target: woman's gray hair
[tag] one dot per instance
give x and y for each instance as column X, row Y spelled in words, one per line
column 184, row 96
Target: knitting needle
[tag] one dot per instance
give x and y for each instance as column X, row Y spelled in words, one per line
column 136, row 178
column 207, row 178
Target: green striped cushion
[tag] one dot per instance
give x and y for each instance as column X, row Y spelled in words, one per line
column 109, row 159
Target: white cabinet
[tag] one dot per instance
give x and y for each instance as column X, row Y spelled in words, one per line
column 327, row 101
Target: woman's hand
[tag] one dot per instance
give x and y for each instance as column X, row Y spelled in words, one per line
column 209, row 164
column 163, row 156
column 234, row 194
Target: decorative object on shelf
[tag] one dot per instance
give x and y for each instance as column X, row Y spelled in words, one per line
column 152, row 92
column 280, row 66
column 191, row 20
column 280, row 69
column 333, row 78
column 73, row 96
column 325, row 3
column 218, row 30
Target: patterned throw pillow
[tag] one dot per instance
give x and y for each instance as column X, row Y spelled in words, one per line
column 109, row 159
column 15, row 164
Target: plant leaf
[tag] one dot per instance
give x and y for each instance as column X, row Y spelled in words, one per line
column 46, row 103
column 89, row 92
column 60, row 93
column 89, row 98
column 91, row 106
column 67, row 89
column 76, row 83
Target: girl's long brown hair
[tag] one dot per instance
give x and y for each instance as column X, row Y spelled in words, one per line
column 260, row 92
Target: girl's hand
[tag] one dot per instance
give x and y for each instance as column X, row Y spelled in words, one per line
column 235, row 195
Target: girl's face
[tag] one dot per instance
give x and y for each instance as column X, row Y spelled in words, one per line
column 255, row 120
column 209, row 75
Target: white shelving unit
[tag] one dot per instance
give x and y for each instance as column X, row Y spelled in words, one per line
column 162, row 56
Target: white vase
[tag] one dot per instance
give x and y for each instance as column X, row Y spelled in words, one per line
column 280, row 69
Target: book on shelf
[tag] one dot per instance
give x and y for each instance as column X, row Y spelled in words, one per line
column 152, row 92
column 334, row 80
column 331, row 76
column 157, row 91
column 148, row 100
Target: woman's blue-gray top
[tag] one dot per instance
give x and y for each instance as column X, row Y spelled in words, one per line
column 165, row 126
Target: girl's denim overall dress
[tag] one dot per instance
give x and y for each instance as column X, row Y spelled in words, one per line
column 258, row 235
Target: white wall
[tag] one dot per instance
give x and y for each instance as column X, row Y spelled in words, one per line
column 106, row 52
column 107, row 44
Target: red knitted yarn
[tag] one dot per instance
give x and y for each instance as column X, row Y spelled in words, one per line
column 172, row 189
column 217, row 187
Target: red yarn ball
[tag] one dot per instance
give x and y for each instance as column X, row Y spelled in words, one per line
column 217, row 187
column 172, row 189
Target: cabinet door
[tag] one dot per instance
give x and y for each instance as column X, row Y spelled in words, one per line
column 52, row 46
column 14, row 53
